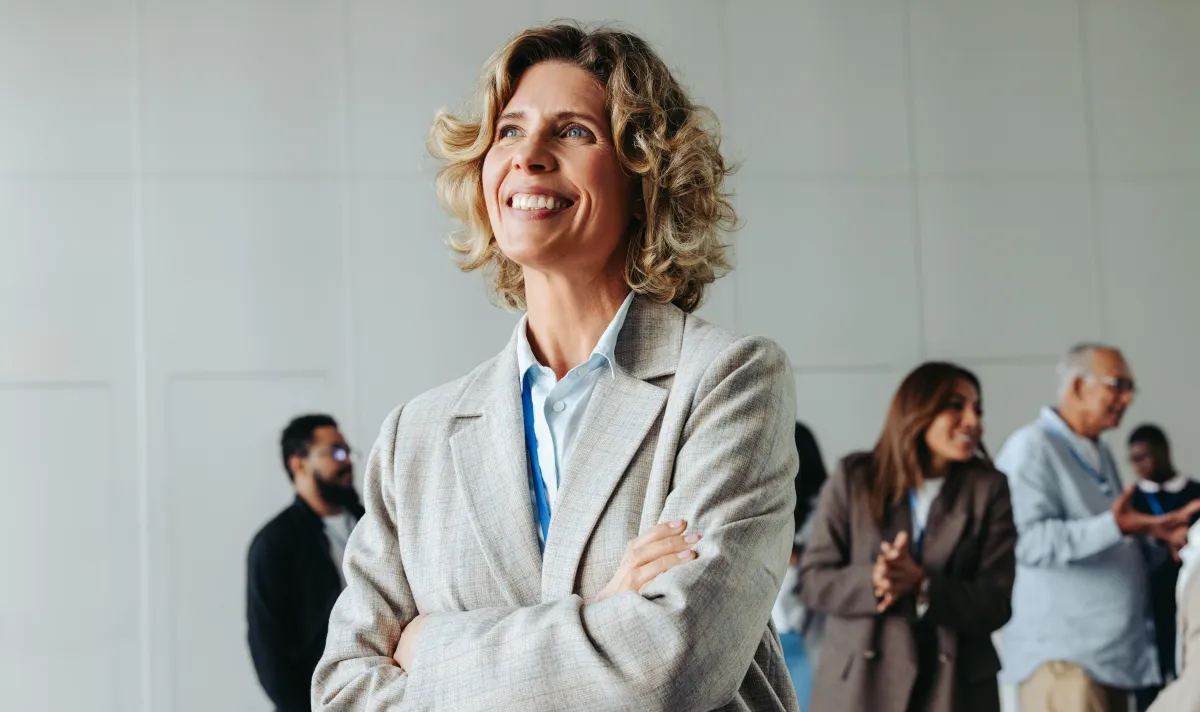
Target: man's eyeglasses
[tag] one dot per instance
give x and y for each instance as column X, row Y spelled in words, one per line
column 1120, row 385
column 339, row 453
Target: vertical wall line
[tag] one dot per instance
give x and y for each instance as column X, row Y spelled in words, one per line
column 141, row 376
column 347, row 197
column 914, row 184
column 1093, row 177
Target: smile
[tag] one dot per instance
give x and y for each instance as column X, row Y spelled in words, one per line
column 538, row 201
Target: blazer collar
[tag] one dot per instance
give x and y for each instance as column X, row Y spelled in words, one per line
column 651, row 340
column 492, row 466
column 649, row 347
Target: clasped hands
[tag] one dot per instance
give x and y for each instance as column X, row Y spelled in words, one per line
column 1170, row 528
column 895, row 574
column 661, row 548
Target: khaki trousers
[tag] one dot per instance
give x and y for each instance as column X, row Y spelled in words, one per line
column 1065, row 687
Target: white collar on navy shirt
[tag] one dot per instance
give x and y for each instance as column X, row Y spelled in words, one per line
column 1173, row 485
column 605, row 348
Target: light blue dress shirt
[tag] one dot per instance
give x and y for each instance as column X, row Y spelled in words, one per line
column 1080, row 594
column 558, row 405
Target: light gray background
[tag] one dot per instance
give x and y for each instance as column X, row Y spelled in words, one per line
column 215, row 215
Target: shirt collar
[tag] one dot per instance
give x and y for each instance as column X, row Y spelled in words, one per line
column 605, row 347
column 1172, row 486
column 1055, row 421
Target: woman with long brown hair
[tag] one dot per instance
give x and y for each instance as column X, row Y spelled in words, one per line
column 912, row 558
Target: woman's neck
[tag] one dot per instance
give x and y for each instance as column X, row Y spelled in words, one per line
column 566, row 315
column 937, row 468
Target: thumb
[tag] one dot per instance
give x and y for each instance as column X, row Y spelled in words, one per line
column 902, row 540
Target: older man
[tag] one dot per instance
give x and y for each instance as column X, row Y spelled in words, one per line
column 1078, row 639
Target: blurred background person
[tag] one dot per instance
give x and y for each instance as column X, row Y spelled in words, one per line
column 911, row 556
column 1160, row 489
column 1079, row 639
column 800, row 629
column 294, row 571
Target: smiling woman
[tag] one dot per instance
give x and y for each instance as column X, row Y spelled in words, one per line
column 600, row 516
column 912, row 557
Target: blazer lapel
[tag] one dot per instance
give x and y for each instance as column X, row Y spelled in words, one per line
column 493, row 474
column 620, row 414
column 947, row 519
column 622, row 410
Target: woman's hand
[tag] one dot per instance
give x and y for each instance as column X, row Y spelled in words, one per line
column 896, row 574
column 408, row 642
column 663, row 547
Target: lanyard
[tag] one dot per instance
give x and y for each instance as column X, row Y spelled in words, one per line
column 1098, row 477
column 1152, row 498
column 918, row 526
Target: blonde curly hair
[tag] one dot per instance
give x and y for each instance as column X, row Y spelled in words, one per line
column 667, row 143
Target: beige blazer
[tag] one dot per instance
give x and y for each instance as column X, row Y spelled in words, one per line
column 696, row 424
column 1183, row 695
column 869, row 661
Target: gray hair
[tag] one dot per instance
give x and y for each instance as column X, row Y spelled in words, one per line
column 1077, row 363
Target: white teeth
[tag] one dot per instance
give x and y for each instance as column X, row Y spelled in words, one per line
column 528, row 201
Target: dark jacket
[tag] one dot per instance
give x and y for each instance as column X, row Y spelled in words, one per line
column 870, row 662
column 292, row 584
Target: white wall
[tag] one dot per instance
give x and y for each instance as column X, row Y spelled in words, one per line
column 215, row 215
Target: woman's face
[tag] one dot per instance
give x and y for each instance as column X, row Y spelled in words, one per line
column 556, row 195
column 954, row 434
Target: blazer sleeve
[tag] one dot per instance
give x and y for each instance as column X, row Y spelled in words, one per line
column 982, row 604
column 830, row 581
column 356, row 671
column 269, row 630
column 1183, row 695
column 1047, row 538
column 687, row 640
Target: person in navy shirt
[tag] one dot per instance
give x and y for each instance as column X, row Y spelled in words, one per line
column 1160, row 489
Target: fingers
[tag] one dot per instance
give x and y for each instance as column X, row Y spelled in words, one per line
column 1180, row 517
column 657, row 532
column 661, row 548
column 879, row 576
column 646, row 573
column 657, row 549
column 901, row 542
column 885, row 603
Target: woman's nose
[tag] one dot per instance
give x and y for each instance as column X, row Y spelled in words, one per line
column 533, row 156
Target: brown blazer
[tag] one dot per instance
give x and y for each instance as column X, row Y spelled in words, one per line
column 869, row 660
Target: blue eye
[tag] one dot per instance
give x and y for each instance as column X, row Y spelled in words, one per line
column 577, row 132
column 508, row 131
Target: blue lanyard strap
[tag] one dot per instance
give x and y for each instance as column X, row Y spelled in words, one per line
column 1101, row 481
column 541, row 498
column 918, row 526
column 1157, row 507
